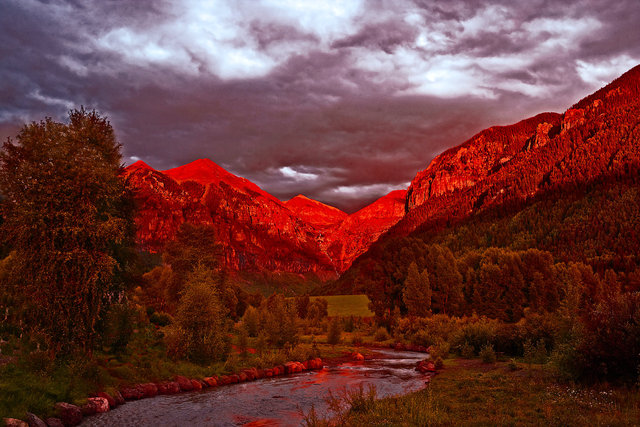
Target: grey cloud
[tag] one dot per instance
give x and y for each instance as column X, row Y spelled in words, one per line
column 317, row 111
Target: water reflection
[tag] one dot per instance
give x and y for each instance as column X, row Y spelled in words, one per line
column 277, row 401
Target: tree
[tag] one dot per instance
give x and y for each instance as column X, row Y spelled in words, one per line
column 417, row 292
column 66, row 217
column 200, row 328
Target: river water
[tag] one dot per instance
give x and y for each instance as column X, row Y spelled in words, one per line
column 278, row 401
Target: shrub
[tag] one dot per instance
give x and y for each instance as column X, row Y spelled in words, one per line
column 357, row 339
column 160, row 318
column 200, row 328
column 381, row 334
column 540, row 352
column 439, row 363
column 513, row 365
column 487, row 354
column 251, row 321
column 333, row 335
column 466, row 351
column 118, row 327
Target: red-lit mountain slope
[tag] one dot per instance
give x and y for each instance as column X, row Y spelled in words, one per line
column 256, row 230
column 323, row 218
column 596, row 137
column 360, row 229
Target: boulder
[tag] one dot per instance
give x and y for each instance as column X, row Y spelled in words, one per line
column 100, row 404
column 110, row 399
column 88, row 409
column 14, row 422
column 184, row 383
column 131, row 393
column 223, row 380
column 233, row 378
column 69, row 414
column 425, row 366
column 35, row 421
column 260, row 373
column 168, row 387
column 268, row 373
column 148, row 389
column 196, row 385
column 203, row 383
column 54, row 422
column 358, row 357
column 211, row 381
column 242, row 377
column 305, row 364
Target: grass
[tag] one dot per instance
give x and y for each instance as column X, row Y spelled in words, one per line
column 469, row 392
column 347, row 305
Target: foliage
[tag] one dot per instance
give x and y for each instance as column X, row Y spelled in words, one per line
column 382, row 334
column 68, row 220
column 199, row 331
column 487, row 354
column 251, row 321
column 416, row 294
column 335, row 331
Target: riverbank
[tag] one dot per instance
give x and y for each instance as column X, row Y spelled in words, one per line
column 469, row 392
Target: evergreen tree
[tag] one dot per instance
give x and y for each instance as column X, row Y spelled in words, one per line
column 67, row 217
column 417, row 292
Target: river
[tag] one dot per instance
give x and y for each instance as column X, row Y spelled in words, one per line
column 278, row 401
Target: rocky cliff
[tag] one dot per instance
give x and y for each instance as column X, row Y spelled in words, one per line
column 598, row 136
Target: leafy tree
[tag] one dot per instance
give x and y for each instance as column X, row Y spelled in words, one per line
column 417, row 292
column 67, row 217
column 200, row 328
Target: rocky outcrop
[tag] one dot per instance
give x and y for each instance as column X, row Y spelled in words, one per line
column 322, row 218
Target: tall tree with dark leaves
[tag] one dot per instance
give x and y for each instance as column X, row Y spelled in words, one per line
column 66, row 218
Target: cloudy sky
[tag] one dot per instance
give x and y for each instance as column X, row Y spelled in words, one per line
column 340, row 100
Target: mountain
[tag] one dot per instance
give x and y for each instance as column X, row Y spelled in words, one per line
column 322, row 218
column 566, row 184
column 505, row 164
column 359, row 230
column 257, row 231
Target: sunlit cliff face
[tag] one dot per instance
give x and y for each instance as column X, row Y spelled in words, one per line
column 342, row 101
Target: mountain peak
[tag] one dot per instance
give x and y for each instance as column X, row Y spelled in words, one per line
column 139, row 165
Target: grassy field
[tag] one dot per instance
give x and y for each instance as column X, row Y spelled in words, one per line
column 469, row 392
column 347, row 305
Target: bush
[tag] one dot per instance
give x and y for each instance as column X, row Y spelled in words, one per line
column 200, row 328
column 513, row 365
column 333, row 335
column 251, row 321
column 487, row 354
column 381, row 334
column 118, row 327
column 439, row 363
column 160, row 318
column 466, row 351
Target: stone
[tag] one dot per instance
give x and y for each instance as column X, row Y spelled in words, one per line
column 358, row 357
column 69, row 414
column 149, row 389
column 88, row 409
column 100, row 404
column 110, row 399
column 14, row 422
column 211, row 381
column 54, row 422
column 242, row 377
column 184, row 383
column 131, row 393
column 197, row 386
column 35, row 421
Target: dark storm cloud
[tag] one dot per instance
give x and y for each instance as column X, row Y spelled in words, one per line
column 341, row 101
